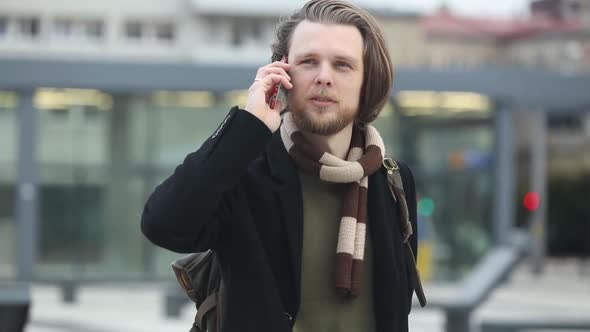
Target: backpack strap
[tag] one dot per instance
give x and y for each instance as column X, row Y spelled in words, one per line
column 396, row 187
column 209, row 303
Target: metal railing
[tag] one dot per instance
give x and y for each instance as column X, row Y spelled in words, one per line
column 486, row 276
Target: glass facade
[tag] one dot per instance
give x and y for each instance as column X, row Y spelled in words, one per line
column 100, row 155
column 450, row 149
column 8, row 156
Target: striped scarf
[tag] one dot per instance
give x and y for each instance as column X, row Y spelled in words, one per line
column 365, row 156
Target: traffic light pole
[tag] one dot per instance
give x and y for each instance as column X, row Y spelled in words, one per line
column 538, row 183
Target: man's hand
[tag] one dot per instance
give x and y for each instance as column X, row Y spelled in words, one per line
column 267, row 78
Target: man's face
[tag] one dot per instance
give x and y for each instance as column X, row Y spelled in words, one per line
column 327, row 74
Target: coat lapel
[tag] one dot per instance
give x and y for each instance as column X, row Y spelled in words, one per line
column 289, row 196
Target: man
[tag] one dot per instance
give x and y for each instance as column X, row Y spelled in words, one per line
column 297, row 206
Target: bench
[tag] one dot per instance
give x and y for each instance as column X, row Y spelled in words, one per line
column 476, row 287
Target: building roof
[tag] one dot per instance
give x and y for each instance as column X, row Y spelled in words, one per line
column 448, row 25
column 251, row 8
column 522, row 89
column 269, row 8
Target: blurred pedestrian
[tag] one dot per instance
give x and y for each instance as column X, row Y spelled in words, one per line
column 296, row 203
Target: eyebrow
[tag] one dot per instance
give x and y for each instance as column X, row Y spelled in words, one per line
column 338, row 57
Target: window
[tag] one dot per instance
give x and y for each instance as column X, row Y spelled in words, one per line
column 3, row 26
column 93, row 29
column 246, row 30
column 78, row 28
column 150, row 32
column 133, row 30
column 60, row 113
column 256, row 29
column 63, row 28
column 237, row 34
column 28, row 27
column 570, row 121
column 165, row 32
column 91, row 113
column 213, row 28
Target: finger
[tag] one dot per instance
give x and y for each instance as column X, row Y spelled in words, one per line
column 278, row 64
column 273, row 70
column 266, row 70
column 271, row 80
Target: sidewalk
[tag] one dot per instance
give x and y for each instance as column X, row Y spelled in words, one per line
column 105, row 308
column 561, row 293
column 118, row 308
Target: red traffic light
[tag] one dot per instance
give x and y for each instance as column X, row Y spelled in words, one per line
column 531, row 201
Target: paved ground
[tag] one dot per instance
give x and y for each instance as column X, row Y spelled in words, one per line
column 562, row 292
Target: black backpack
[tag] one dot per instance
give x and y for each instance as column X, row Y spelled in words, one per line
column 199, row 274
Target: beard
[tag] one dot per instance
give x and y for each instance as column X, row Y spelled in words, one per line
column 321, row 124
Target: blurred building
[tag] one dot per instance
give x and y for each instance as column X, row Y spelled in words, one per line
column 556, row 36
column 556, row 9
column 115, row 93
column 138, row 30
column 233, row 31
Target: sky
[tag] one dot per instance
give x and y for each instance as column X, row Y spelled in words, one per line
column 488, row 8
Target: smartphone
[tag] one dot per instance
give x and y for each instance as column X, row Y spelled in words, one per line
column 275, row 95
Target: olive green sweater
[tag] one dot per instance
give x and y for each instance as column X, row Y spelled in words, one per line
column 322, row 309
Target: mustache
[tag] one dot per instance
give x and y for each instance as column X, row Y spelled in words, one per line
column 323, row 94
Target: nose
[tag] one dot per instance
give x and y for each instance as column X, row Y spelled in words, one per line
column 324, row 76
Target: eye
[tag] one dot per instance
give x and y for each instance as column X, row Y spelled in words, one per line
column 309, row 61
column 343, row 64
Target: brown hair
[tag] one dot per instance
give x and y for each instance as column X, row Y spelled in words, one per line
column 378, row 77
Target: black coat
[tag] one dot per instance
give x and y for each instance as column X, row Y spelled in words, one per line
column 240, row 195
